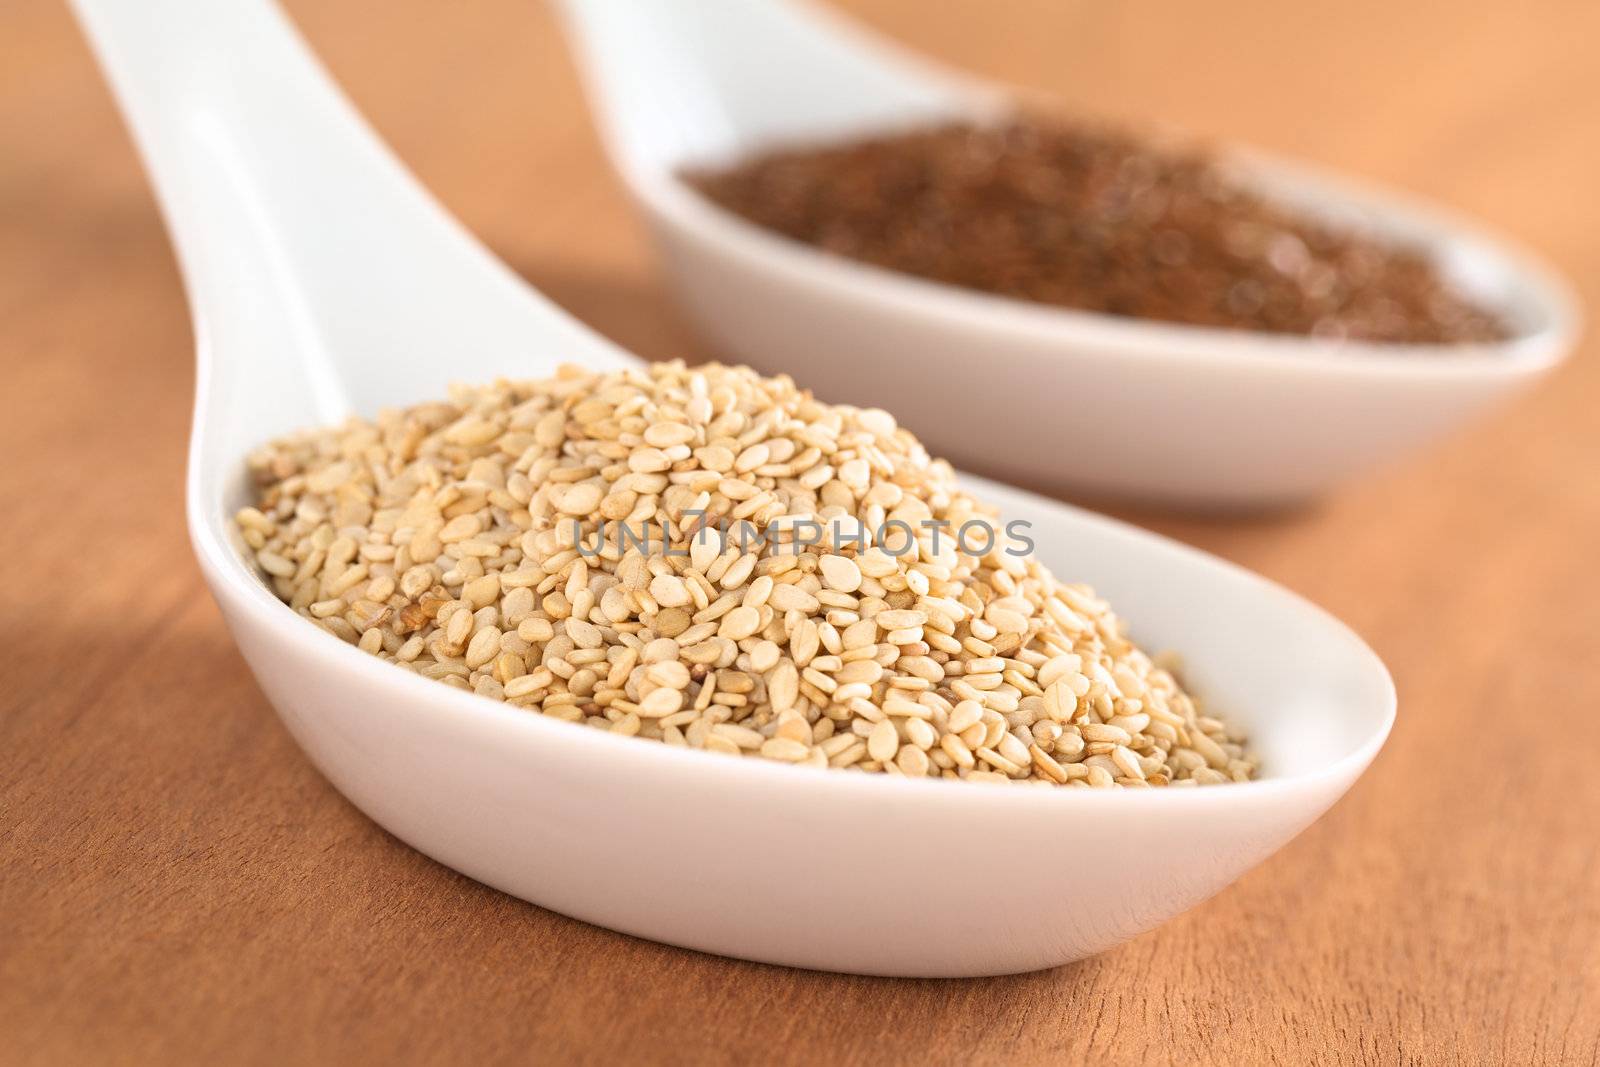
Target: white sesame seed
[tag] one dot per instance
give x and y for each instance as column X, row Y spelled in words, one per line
column 740, row 623
column 785, row 749
column 841, row 573
column 463, row 540
column 669, row 591
column 883, row 742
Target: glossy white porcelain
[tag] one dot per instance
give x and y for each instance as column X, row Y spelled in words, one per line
column 324, row 280
column 1197, row 417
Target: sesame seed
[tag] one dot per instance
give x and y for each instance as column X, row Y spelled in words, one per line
column 883, row 742
column 785, row 749
column 466, row 545
column 841, row 573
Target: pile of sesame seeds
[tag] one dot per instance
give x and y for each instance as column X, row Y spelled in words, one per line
column 705, row 557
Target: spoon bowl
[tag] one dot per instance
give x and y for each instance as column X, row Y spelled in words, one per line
column 324, row 282
column 1198, row 417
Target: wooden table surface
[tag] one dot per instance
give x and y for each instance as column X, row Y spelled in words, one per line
column 177, row 884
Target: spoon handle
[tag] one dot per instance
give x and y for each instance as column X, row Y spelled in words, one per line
column 712, row 79
column 313, row 259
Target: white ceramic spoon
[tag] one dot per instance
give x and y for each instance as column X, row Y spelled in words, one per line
column 324, row 280
column 1183, row 415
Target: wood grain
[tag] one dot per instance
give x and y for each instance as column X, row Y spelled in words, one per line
column 177, row 884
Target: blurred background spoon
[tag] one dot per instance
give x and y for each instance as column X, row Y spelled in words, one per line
column 1049, row 397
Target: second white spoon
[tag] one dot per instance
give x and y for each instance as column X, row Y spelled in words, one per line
column 1047, row 396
